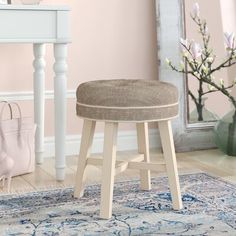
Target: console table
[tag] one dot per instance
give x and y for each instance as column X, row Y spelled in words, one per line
column 39, row 25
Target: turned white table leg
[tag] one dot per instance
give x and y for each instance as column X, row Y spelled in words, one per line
column 39, row 82
column 108, row 169
column 143, row 148
column 60, row 68
column 171, row 164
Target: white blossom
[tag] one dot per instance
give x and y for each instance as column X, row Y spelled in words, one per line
column 196, row 50
column 210, row 87
column 210, row 59
column 222, row 82
column 196, row 10
column 205, row 30
column 184, row 42
column 182, row 65
column 229, row 40
column 168, row 61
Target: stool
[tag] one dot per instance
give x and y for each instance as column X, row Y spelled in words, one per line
column 138, row 101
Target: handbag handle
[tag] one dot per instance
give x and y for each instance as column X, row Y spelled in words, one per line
column 20, row 118
column 10, row 108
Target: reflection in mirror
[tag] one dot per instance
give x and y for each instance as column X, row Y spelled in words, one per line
column 205, row 104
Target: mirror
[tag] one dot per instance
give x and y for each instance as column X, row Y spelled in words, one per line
column 173, row 23
column 204, row 105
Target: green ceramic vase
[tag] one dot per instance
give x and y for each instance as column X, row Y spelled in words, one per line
column 225, row 133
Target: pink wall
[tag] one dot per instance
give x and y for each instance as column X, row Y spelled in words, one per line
column 110, row 39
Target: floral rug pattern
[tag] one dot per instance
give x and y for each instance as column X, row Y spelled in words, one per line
column 209, row 209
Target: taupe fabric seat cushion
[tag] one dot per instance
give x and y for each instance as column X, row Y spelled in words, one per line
column 127, row 100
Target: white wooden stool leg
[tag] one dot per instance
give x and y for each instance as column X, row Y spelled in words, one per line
column 143, row 148
column 85, row 146
column 108, row 169
column 171, row 164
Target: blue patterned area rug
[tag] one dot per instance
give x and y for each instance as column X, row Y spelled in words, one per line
column 209, row 209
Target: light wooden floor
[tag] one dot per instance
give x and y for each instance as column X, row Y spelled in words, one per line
column 209, row 161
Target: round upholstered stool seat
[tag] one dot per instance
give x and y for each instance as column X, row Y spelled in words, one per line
column 127, row 100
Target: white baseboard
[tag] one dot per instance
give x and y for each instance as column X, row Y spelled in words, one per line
column 127, row 140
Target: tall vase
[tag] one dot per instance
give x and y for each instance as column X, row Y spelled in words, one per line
column 225, row 133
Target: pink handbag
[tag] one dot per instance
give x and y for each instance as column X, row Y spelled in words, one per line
column 17, row 142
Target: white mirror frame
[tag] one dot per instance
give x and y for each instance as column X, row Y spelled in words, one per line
column 171, row 27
